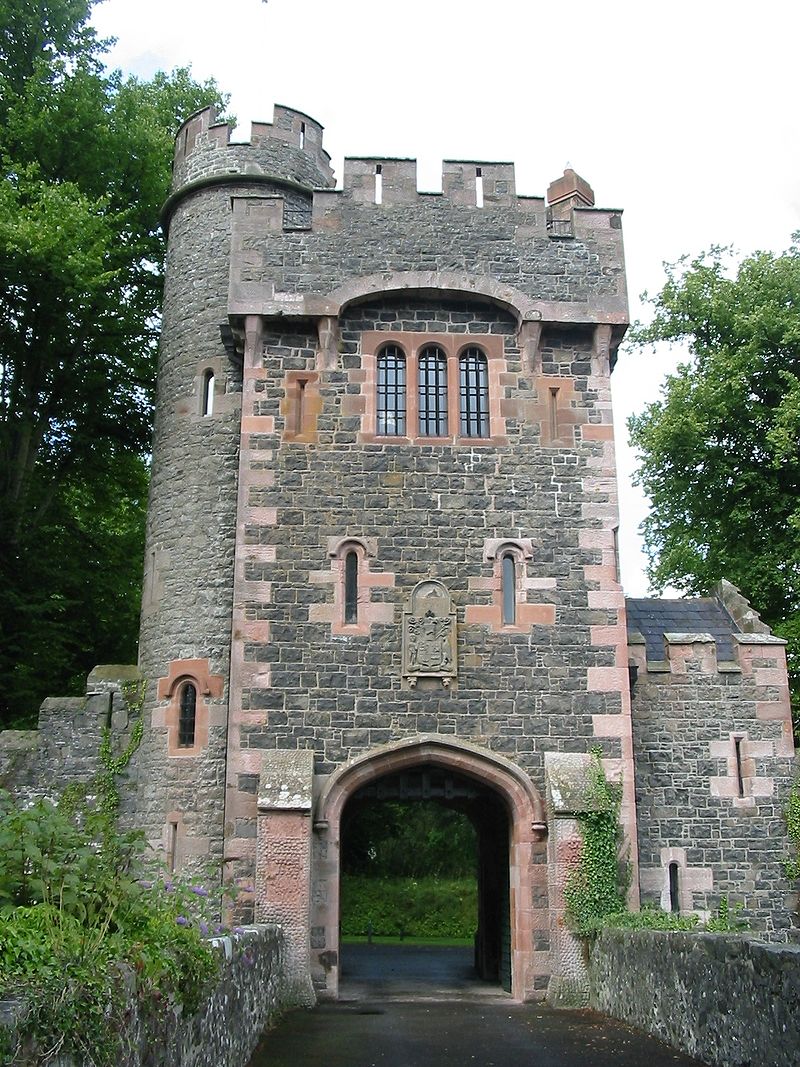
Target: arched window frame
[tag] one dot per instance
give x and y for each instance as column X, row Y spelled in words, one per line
column 351, row 568
column 421, row 425
column 187, row 714
column 473, row 392
column 209, row 381
column 170, row 689
column 391, row 390
column 349, row 601
column 433, row 391
column 508, row 588
column 495, row 614
column 370, row 609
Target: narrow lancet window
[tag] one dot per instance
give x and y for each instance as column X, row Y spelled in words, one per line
column 478, row 187
column 208, row 393
column 351, row 588
column 553, row 411
column 391, row 420
column 674, row 888
column 737, row 743
column 302, row 135
column 188, row 716
column 509, row 583
column 474, row 382
column 378, row 183
column 433, row 392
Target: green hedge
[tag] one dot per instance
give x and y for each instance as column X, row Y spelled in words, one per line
column 414, row 907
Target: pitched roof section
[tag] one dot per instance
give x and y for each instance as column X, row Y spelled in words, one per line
column 703, row 615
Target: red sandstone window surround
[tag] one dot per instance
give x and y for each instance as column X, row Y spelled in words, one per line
column 432, row 387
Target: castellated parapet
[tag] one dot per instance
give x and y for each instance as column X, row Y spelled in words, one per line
column 381, row 555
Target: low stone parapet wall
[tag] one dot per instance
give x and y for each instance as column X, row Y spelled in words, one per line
column 722, row 998
column 250, row 995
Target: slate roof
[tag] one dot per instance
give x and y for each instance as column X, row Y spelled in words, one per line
column 701, row 615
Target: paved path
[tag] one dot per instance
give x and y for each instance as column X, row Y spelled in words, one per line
column 415, row 1006
column 457, row 1033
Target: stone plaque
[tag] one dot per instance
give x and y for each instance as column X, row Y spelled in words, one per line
column 429, row 634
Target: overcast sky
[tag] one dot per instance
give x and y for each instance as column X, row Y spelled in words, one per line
column 684, row 114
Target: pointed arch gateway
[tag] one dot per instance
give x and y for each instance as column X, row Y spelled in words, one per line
column 527, row 867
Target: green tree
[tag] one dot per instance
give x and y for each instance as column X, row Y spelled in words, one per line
column 720, row 452
column 85, row 159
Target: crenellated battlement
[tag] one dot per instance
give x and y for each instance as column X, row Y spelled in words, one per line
column 289, row 148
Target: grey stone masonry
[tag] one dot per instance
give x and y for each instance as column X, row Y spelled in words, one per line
column 714, row 755
column 729, row 1001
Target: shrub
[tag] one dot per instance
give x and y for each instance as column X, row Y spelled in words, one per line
column 412, row 907
column 83, row 932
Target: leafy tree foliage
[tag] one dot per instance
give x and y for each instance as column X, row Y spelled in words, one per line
column 720, row 452
column 393, row 839
column 85, row 159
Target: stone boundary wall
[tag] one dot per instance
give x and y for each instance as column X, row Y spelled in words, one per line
column 727, row 1000
column 250, row 996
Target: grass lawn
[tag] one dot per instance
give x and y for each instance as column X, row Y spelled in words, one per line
column 456, row 942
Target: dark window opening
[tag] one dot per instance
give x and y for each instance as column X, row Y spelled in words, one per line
column 433, row 392
column 302, row 135
column 509, row 582
column 378, row 183
column 300, row 412
column 351, row 587
column 474, row 394
column 553, row 413
column 391, row 419
column 674, row 888
column 188, row 716
column 478, row 187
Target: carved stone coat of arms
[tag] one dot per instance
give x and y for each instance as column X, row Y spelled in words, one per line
column 429, row 634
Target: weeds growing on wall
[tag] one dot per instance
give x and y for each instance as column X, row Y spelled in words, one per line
column 792, row 816
column 597, row 885
column 83, row 933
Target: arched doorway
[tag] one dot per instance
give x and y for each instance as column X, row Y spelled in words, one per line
column 421, row 825
column 511, row 826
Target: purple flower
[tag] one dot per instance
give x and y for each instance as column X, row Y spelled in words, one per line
column 181, row 920
column 204, row 929
column 238, row 929
column 146, row 885
column 168, row 886
column 200, row 890
column 218, row 928
column 248, row 889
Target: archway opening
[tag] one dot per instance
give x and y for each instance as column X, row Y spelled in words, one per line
column 424, row 888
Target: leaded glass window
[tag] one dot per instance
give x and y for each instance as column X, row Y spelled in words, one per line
column 433, row 392
column 188, row 716
column 391, row 420
column 474, row 384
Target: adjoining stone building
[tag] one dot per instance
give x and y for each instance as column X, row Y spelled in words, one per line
column 382, row 549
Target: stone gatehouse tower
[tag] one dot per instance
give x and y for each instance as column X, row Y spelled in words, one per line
column 382, row 549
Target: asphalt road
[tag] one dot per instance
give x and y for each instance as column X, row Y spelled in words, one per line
column 417, row 1006
column 457, row 1033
